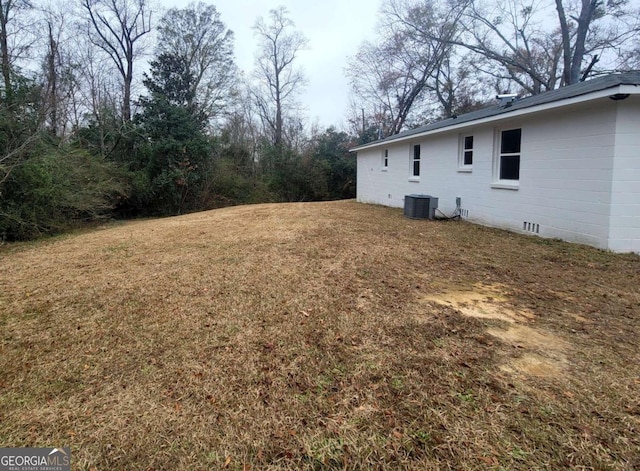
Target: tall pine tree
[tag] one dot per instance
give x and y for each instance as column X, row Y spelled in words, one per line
column 174, row 153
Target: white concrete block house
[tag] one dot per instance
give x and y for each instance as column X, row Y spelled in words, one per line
column 562, row 164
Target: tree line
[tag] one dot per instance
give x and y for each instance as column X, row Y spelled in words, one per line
column 115, row 109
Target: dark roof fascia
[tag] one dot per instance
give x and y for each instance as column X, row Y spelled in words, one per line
column 564, row 93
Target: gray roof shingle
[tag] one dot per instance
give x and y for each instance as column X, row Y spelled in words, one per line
column 571, row 91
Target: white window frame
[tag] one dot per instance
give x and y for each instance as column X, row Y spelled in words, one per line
column 506, row 184
column 385, row 159
column 462, row 150
column 412, row 175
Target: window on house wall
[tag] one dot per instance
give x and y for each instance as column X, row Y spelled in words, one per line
column 385, row 159
column 509, row 157
column 466, row 152
column 415, row 167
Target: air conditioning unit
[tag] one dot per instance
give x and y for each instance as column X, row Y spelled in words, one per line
column 420, row 206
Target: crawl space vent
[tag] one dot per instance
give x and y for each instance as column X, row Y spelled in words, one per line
column 531, row 227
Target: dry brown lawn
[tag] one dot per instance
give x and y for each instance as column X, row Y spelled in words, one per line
column 319, row 336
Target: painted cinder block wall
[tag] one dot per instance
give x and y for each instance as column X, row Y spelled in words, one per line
column 579, row 174
column 624, row 222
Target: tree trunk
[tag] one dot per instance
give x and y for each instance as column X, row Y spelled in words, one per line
column 278, row 131
column 52, row 85
column 126, row 100
column 566, row 43
column 277, row 68
column 584, row 20
column 573, row 55
column 5, row 8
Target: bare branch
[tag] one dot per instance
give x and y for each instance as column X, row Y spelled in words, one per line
column 116, row 26
column 275, row 71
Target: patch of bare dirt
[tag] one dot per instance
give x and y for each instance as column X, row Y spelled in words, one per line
column 544, row 352
column 482, row 302
column 535, row 365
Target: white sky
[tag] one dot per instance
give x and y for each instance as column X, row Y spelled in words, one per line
column 335, row 29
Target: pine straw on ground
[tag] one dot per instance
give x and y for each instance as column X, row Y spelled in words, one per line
column 319, row 336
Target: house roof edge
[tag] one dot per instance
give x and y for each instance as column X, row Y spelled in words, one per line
column 629, row 82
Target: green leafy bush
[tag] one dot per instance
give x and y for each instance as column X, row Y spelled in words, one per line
column 56, row 189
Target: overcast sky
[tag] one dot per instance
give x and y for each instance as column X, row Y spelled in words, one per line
column 334, row 28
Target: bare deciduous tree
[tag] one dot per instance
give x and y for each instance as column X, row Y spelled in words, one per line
column 393, row 76
column 197, row 34
column 458, row 87
column 591, row 29
column 11, row 46
column 530, row 44
column 58, row 68
column 97, row 96
column 117, row 27
column 276, row 73
column 510, row 43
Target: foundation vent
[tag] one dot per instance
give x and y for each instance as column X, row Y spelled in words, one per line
column 531, row 227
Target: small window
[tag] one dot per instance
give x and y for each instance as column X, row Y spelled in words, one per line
column 468, row 151
column 385, row 158
column 416, row 161
column 509, row 158
column 465, row 160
